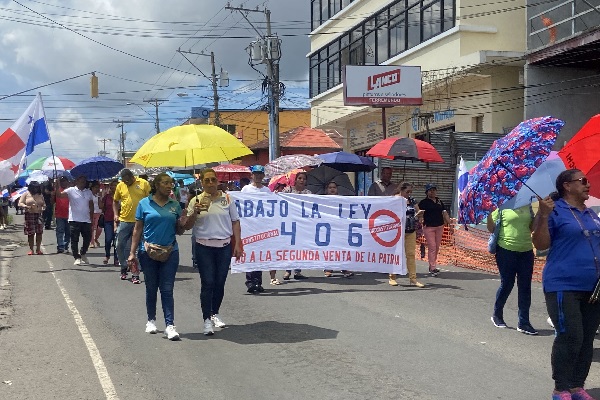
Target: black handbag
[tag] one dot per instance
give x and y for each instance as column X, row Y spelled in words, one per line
column 101, row 221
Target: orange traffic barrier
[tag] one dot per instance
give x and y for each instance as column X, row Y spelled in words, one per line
column 467, row 248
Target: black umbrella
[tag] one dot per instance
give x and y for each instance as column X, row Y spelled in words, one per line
column 319, row 177
column 347, row 162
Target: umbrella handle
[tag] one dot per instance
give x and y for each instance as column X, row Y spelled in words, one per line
column 515, row 175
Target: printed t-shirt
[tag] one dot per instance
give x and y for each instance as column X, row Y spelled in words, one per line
column 216, row 222
column 159, row 222
column 515, row 234
column 130, row 196
column 79, row 204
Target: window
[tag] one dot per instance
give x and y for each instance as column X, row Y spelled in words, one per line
column 432, row 21
column 315, row 14
column 395, row 29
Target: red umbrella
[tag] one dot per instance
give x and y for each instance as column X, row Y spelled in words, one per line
column 405, row 149
column 231, row 172
column 581, row 152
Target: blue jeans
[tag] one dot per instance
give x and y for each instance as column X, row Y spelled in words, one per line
column 511, row 265
column 63, row 234
column 160, row 276
column 124, row 233
column 213, row 266
column 109, row 238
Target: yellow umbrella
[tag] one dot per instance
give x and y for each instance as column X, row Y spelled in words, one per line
column 188, row 145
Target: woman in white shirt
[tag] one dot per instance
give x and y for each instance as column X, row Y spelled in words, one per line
column 218, row 236
column 96, row 228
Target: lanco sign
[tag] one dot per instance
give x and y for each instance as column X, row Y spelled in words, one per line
column 378, row 85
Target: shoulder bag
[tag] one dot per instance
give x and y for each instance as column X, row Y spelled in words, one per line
column 493, row 240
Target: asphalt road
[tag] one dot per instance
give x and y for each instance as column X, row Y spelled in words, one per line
column 77, row 332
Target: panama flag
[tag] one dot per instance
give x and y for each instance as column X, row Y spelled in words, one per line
column 20, row 139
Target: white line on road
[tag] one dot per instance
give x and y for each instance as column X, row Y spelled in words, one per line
column 101, row 371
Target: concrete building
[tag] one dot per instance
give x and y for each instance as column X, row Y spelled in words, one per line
column 470, row 53
column 561, row 73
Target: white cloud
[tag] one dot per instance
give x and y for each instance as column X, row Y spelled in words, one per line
column 37, row 52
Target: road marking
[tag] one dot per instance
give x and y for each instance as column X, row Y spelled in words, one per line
column 101, row 371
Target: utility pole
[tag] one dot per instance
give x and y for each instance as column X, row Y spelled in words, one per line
column 121, row 124
column 267, row 50
column 223, row 80
column 156, row 102
column 103, row 152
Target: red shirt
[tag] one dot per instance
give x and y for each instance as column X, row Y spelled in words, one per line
column 61, row 209
column 107, row 202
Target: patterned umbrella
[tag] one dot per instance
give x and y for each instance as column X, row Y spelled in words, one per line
column 287, row 163
column 506, row 167
column 231, row 172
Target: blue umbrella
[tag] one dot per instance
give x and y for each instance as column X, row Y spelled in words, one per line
column 347, row 162
column 186, row 178
column 96, row 168
column 506, row 167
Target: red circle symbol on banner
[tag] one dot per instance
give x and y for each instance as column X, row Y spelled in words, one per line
column 376, row 230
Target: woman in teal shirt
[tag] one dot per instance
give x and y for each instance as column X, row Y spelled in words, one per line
column 514, row 257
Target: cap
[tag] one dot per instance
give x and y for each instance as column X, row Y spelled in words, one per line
column 430, row 186
column 258, row 169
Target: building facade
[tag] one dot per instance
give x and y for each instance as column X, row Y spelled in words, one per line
column 471, row 57
column 561, row 72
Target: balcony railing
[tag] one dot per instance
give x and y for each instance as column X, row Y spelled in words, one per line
column 562, row 21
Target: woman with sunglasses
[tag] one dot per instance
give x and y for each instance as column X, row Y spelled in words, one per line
column 158, row 218
column 217, row 225
column 572, row 233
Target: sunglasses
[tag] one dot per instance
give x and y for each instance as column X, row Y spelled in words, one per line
column 210, row 180
column 584, row 181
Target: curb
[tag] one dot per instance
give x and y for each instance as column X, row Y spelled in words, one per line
column 8, row 244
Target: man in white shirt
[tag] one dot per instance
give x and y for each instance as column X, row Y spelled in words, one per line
column 81, row 214
column 254, row 278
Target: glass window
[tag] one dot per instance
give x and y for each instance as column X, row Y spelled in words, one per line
column 314, row 79
column 334, row 7
column 397, row 36
column 334, row 73
column 323, row 77
column 383, row 53
column 370, row 48
column 356, row 53
column 324, row 10
column 316, row 14
column 414, row 26
column 431, row 20
column 448, row 14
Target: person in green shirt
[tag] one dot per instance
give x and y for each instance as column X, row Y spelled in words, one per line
column 514, row 257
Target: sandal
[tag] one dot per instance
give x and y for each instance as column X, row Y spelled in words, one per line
column 275, row 282
column 105, row 261
column 286, row 276
column 328, row 274
column 348, row 274
column 97, row 243
column 30, row 253
column 39, row 253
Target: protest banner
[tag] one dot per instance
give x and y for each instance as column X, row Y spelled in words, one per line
column 287, row 231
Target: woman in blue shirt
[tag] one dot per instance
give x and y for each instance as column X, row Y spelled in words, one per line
column 157, row 219
column 572, row 233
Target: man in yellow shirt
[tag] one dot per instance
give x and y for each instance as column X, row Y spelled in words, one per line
column 128, row 194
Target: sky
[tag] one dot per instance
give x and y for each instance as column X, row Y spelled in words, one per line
column 132, row 48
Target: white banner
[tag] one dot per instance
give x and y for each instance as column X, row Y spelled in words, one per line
column 287, row 231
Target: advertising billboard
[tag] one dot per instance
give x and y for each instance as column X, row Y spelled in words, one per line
column 382, row 85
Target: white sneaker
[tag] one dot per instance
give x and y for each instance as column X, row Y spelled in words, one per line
column 151, row 327
column 208, row 327
column 549, row 321
column 77, row 261
column 217, row 321
column 171, row 333
column 84, row 260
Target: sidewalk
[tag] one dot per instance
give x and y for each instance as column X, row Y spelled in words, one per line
column 10, row 239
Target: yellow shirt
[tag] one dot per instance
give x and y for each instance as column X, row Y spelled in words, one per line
column 130, row 196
